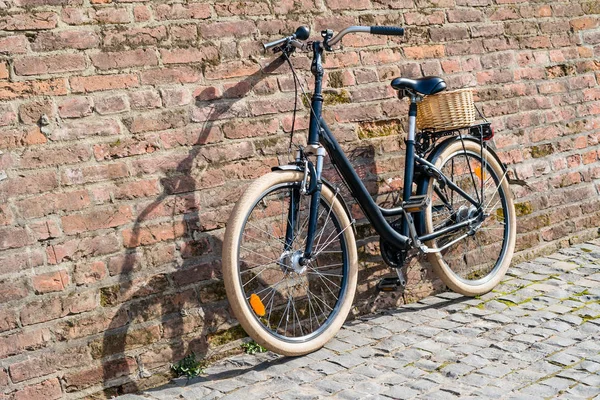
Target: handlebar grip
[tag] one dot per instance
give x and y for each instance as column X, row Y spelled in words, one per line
column 387, row 30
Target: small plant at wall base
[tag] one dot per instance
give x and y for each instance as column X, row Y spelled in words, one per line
column 252, row 348
column 189, row 366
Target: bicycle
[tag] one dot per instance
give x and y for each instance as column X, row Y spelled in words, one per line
column 289, row 253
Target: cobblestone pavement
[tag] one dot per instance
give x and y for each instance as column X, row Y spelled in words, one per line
column 536, row 336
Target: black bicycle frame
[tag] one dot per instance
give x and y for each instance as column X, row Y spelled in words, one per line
column 319, row 133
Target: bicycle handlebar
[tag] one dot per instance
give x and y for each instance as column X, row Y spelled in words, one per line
column 374, row 30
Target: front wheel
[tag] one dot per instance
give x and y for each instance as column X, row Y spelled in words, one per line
column 476, row 264
column 289, row 308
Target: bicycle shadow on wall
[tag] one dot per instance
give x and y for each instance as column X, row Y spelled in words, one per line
column 201, row 308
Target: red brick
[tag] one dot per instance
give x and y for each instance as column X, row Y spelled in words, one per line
column 47, row 363
column 143, row 236
column 49, row 87
column 135, row 37
column 487, row 30
column 12, row 289
column 89, row 272
column 97, row 219
column 191, row 55
column 125, row 263
column 242, row 8
column 76, row 39
column 183, row 34
column 6, row 215
column 24, row 340
column 154, row 122
column 434, row 51
column 111, row 104
column 8, row 116
column 144, row 99
column 242, row 129
column 77, row 15
column 20, row 137
column 28, row 21
column 40, row 206
column 14, row 237
column 37, row 158
column 4, row 72
column 39, row 65
column 124, row 59
column 95, row 83
column 175, row 97
column 93, row 173
column 180, row 74
column 80, row 302
column 585, row 23
column 31, row 112
column 348, row 4
column 32, row 183
column 182, row 11
column 77, row 249
column 49, row 389
column 126, row 148
column 50, row 282
column 233, row 69
column 109, row 370
column 15, row 44
column 111, row 15
column 141, row 13
column 219, row 30
column 3, row 378
column 75, row 107
column 41, row 311
column 8, row 321
column 187, row 137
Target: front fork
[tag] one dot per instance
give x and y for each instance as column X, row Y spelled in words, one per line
column 311, row 186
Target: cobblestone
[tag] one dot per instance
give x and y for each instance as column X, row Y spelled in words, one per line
column 540, row 341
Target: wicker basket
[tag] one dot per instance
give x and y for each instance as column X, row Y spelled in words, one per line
column 446, row 111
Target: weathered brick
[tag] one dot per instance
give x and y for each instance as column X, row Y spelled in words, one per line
column 50, row 282
column 28, row 21
column 175, row 97
column 15, row 90
column 97, row 219
column 24, row 340
column 49, row 389
column 144, row 99
column 76, row 39
column 28, row 183
column 45, row 204
column 219, row 30
column 31, row 112
column 135, row 37
column 89, row 272
column 95, row 83
column 126, row 148
column 6, row 215
column 142, row 236
column 14, row 44
column 182, row 11
column 109, row 370
column 38, row 158
column 14, row 237
column 190, row 55
column 77, row 249
column 124, row 59
column 93, row 173
column 75, row 107
column 110, row 15
column 141, row 13
column 39, row 65
column 179, row 74
column 111, row 104
column 44, row 230
column 12, row 289
column 154, row 122
column 4, row 72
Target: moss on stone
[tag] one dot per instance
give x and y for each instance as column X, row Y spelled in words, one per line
column 108, row 295
column 330, row 98
column 542, row 150
column 368, row 130
column 524, row 208
column 229, row 335
column 335, row 79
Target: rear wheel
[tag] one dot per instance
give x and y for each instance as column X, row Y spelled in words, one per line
column 286, row 307
column 475, row 264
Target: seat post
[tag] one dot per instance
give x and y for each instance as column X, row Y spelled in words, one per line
column 409, row 164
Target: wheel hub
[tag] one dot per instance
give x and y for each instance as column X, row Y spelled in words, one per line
column 290, row 260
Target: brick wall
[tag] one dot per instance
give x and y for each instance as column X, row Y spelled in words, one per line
column 129, row 128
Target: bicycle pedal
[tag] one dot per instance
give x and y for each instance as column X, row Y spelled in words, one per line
column 389, row 284
column 416, row 203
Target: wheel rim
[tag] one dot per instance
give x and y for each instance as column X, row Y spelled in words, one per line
column 476, row 259
column 299, row 303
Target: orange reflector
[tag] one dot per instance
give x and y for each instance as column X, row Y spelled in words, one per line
column 257, row 305
column 480, row 174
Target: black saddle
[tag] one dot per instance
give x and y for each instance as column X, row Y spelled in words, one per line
column 426, row 85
